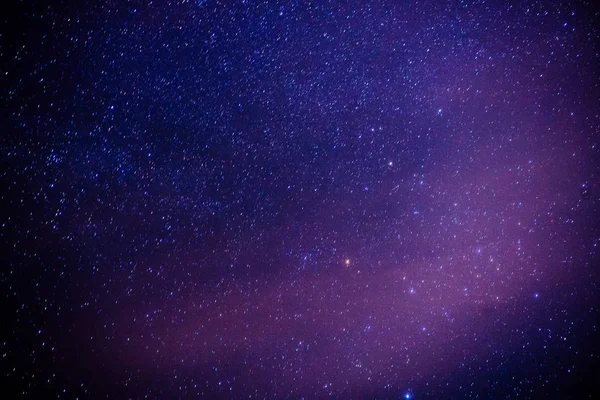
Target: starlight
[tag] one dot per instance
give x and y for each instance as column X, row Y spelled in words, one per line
column 208, row 199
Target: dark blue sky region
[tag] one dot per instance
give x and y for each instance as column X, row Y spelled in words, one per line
column 275, row 199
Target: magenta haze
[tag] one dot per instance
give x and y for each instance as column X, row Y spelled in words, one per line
column 291, row 199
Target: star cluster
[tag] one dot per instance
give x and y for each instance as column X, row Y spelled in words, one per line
column 280, row 199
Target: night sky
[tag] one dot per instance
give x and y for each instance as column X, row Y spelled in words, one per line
column 296, row 199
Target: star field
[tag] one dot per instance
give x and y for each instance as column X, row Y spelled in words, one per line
column 277, row 199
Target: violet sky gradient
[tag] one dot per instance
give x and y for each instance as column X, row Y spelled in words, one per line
column 222, row 199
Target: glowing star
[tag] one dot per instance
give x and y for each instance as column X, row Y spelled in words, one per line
column 407, row 395
column 347, row 262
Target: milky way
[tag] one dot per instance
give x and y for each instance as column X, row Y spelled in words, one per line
column 215, row 199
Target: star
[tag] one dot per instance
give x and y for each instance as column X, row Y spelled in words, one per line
column 186, row 188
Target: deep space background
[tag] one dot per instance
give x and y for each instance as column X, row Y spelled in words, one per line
column 300, row 199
